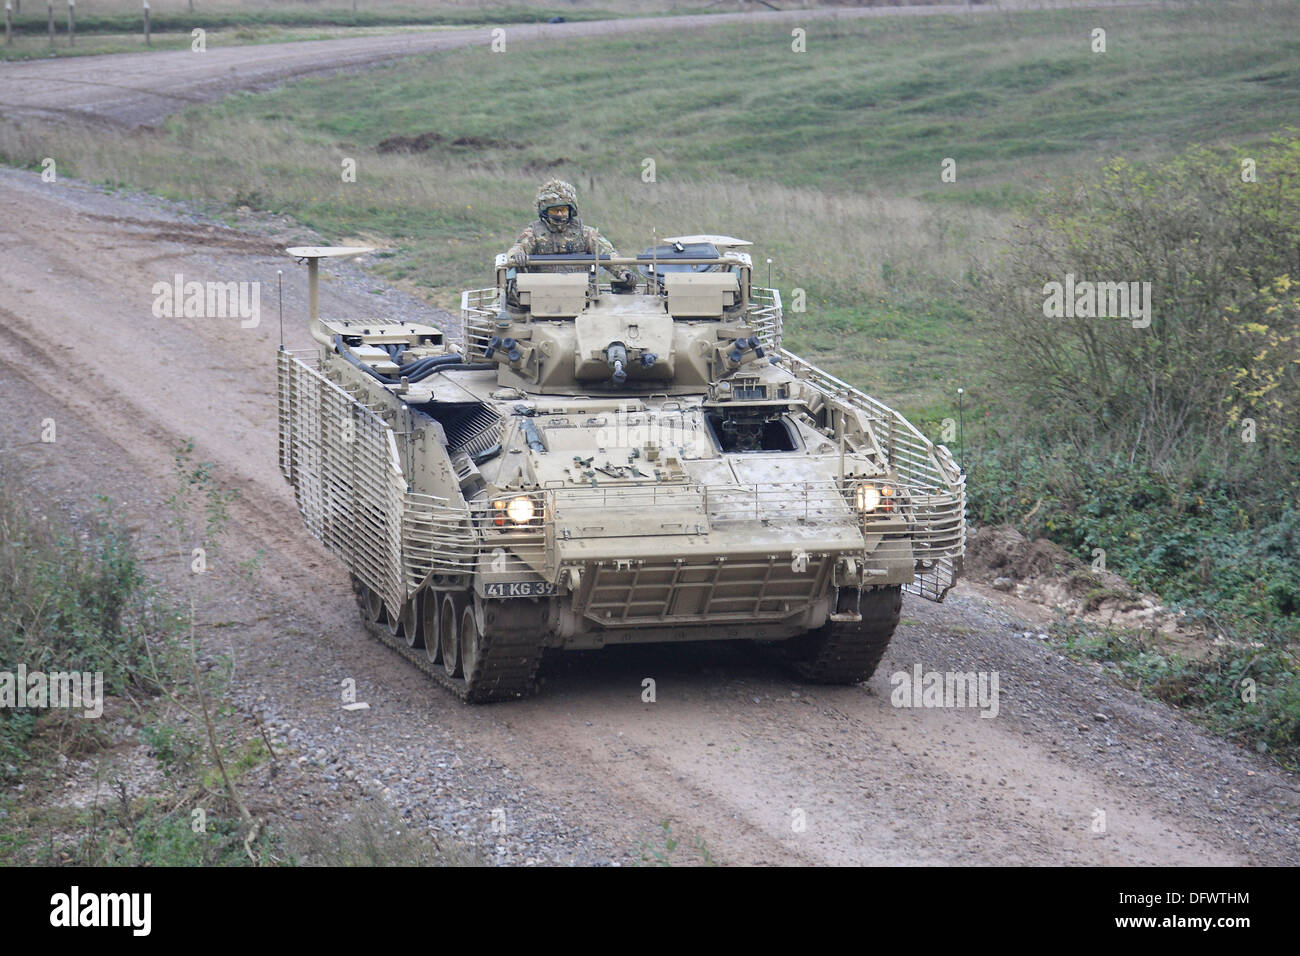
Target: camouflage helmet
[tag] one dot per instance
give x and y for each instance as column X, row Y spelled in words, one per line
column 557, row 192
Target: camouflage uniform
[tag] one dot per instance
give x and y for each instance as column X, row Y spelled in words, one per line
column 546, row 237
column 543, row 238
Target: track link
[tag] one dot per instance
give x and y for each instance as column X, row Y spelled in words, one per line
column 508, row 659
column 842, row 652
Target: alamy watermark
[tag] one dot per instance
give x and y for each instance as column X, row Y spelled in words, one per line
column 923, row 688
column 637, row 429
column 75, row 909
column 208, row 300
column 74, row 690
column 1100, row 300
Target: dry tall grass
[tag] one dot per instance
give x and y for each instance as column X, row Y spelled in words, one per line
column 452, row 217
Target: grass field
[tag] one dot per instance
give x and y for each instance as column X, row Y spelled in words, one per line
column 829, row 159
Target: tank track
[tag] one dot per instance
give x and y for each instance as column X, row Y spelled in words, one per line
column 507, row 663
column 848, row 652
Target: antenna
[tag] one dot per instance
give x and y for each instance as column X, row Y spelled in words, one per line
column 312, row 255
column 654, row 257
column 960, row 424
column 279, row 287
column 841, row 410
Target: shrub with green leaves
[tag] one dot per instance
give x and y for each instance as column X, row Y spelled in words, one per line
column 1216, row 233
column 1247, row 692
column 67, row 598
column 1191, row 537
column 70, row 600
column 1172, row 446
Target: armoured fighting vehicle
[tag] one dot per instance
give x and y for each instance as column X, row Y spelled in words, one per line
column 597, row 464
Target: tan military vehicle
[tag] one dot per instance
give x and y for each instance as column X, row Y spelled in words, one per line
column 593, row 466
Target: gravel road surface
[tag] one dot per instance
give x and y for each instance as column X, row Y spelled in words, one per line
column 733, row 751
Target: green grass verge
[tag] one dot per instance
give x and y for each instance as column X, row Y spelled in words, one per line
column 1249, row 693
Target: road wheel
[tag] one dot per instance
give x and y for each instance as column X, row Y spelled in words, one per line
column 470, row 639
column 453, row 605
column 393, row 621
column 373, row 606
column 412, row 623
column 430, row 615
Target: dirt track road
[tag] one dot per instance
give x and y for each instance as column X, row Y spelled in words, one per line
column 733, row 751
column 139, row 89
column 732, row 747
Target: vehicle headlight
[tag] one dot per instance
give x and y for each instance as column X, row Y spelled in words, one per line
column 867, row 497
column 520, row 510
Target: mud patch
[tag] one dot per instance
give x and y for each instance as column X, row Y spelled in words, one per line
column 423, row 142
column 539, row 165
column 410, row 144
column 1042, row 572
column 482, row 142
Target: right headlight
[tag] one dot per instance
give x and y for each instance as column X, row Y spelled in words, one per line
column 871, row 498
column 867, row 497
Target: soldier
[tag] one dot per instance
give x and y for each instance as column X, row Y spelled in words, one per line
column 559, row 231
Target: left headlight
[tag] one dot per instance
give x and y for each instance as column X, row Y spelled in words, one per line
column 521, row 510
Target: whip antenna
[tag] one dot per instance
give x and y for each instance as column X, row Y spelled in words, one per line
column 279, row 283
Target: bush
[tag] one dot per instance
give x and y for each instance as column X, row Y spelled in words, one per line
column 69, row 601
column 1223, row 344
column 1172, row 447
